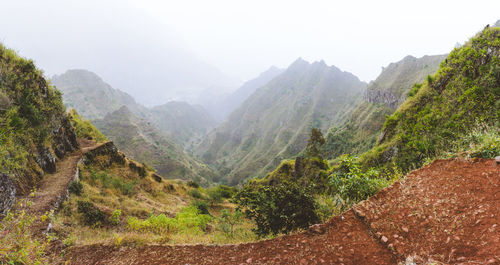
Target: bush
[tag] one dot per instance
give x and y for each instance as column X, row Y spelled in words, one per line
column 278, row 209
column 75, row 187
column 189, row 220
column 353, row 185
column 228, row 220
column 195, row 193
column 114, row 219
column 91, row 214
column 193, row 184
column 215, row 196
column 17, row 245
column 201, row 206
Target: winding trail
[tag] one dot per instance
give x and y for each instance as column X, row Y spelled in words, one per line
column 53, row 188
column 447, row 212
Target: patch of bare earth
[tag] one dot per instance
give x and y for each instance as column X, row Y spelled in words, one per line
column 447, row 212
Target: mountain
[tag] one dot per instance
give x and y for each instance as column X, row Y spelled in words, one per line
column 222, row 104
column 94, row 99
column 143, row 142
column 456, row 108
column 188, row 123
column 91, row 96
column 130, row 50
column 275, row 121
column 382, row 97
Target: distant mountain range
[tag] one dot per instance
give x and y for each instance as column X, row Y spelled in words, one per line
column 275, row 121
column 94, row 99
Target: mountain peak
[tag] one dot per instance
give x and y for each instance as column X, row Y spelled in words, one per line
column 299, row 63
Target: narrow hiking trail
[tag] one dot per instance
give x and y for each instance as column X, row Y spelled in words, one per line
column 447, row 212
column 53, row 188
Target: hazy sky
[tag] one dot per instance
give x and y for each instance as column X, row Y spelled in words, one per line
column 244, row 38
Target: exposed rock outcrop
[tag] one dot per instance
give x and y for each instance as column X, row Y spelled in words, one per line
column 7, row 194
column 107, row 149
column 64, row 138
column 383, row 97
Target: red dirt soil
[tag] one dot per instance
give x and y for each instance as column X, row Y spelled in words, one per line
column 447, row 212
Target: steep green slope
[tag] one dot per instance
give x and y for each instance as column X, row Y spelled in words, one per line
column 140, row 140
column 188, row 123
column 462, row 97
column 273, row 124
column 381, row 98
column 34, row 128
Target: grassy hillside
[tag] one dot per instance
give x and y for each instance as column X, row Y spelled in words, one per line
column 273, row 124
column 34, row 129
column 140, row 140
column 382, row 96
column 117, row 201
column 453, row 109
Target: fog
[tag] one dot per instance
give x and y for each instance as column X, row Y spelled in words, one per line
column 163, row 50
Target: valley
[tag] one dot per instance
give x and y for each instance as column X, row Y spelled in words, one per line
column 305, row 164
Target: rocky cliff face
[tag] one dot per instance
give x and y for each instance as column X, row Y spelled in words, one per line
column 382, row 97
column 7, row 194
column 393, row 84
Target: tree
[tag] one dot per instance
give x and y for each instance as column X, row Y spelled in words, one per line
column 278, row 209
column 316, row 140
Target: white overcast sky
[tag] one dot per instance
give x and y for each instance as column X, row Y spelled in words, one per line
column 244, row 38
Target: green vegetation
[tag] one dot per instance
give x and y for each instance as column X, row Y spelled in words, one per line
column 142, row 141
column 278, row 209
column 397, row 81
column 352, row 184
column 75, row 187
column 85, row 129
column 314, row 144
column 31, row 116
column 92, row 215
column 462, row 96
column 17, row 246
column 189, row 220
column 229, row 220
column 274, row 122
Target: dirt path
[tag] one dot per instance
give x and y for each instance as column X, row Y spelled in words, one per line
column 448, row 212
column 53, row 187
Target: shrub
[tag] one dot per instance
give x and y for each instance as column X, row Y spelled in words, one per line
column 352, row 184
column 91, row 214
column 228, row 220
column 193, row 184
column 75, row 187
column 17, row 246
column 201, row 206
column 214, row 195
column 195, row 193
column 114, row 219
column 278, row 209
column 189, row 220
